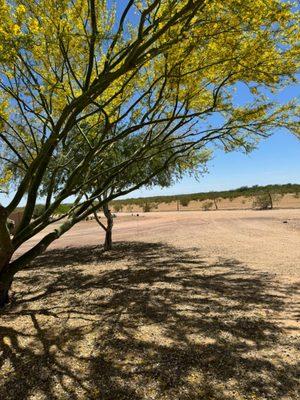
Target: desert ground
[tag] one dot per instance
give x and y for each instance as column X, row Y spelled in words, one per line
column 187, row 306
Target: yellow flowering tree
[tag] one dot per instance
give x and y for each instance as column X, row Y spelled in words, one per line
column 80, row 79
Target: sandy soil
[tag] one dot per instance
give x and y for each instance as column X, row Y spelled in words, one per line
column 189, row 305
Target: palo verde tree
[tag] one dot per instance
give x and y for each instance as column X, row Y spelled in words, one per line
column 156, row 70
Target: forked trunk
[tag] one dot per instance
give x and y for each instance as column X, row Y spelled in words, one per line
column 109, row 227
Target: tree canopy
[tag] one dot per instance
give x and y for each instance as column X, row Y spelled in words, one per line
column 153, row 80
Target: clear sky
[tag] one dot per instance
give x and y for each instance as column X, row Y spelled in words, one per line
column 276, row 160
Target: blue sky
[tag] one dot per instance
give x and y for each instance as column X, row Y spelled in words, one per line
column 276, row 160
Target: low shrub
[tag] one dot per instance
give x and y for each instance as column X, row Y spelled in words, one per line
column 207, row 206
column 262, row 201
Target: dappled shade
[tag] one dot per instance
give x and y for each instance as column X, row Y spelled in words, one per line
column 147, row 321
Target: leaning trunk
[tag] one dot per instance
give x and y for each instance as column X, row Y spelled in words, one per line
column 6, row 251
column 109, row 227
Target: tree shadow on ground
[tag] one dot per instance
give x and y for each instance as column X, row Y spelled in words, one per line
column 146, row 321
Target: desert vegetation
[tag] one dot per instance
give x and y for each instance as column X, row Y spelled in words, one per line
column 128, row 205
column 269, row 193
column 94, row 108
column 207, row 205
column 99, row 98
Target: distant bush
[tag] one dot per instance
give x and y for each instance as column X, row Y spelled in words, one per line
column 130, row 208
column 146, row 207
column 184, row 202
column 216, row 202
column 38, row 210
column 263, row 201
column 168, row 200
column 63, row 209
column 207, row 196
column 60, row 210
column 207, row 206
column 117, row 207
column 242, row 189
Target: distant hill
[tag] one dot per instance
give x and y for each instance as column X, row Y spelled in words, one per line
column 227, row 194
column 184, row 199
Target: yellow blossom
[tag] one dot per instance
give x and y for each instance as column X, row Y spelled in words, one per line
column 21, row 9
column 33, row 26
column 16, row 30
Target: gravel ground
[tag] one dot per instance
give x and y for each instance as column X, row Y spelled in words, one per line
column 188, row 306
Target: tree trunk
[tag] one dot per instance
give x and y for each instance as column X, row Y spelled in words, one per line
column 6, row 247
column 108, row 231
column 216, row 204
column 5, row 284
column 108, row 240
column 271, row 200
column 9, row 268
column 6, row 251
